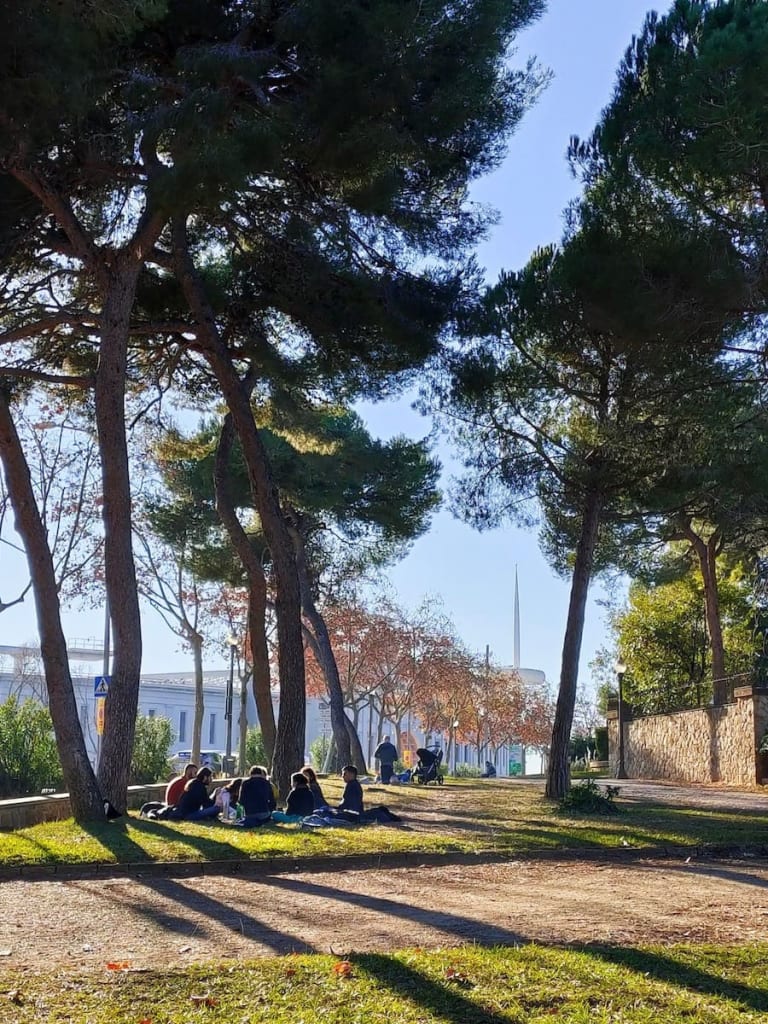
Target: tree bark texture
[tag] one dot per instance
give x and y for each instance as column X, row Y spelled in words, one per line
column 291, row 727
column 257, row 588
column 558, row 772
column 706, row 554
column 79, row 778
column 323, row 650
column 119, row 567
column 357, row 754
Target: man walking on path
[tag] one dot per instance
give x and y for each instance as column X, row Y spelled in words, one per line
column 386, row 755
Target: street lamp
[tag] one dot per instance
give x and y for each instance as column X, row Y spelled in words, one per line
column 620, row 668
column 454, row 727
column 232, row 642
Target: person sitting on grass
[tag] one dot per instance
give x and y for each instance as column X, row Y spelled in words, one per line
column 174, row 789
column 351, row 806
column 227, row 797
column 300, row 801
column 256, row 797
column 195, row 803
column 317, row 793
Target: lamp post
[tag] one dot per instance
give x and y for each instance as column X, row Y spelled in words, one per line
column 232, row 642
column 620, row 668
column 454, row 727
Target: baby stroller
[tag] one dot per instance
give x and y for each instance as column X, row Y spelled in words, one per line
column 428, row 768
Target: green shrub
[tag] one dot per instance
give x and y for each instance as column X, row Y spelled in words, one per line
column 254, row 750
column 589, row 798
column 150, row 761
column 601, row 743
column 318, row 752
column 29, row 760
column 467, row 771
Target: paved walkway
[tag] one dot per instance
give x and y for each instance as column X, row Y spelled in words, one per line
column 715, row 797
column 152, row 921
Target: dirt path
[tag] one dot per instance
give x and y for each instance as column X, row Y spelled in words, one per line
column 153, row 922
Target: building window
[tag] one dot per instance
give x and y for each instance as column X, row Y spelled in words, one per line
column 212, row 729
column 151, row 713
column 182, row 727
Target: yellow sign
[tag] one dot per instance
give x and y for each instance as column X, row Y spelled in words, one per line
column 100, row 702
column 407, row 758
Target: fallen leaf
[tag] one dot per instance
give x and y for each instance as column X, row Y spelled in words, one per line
column 16, row 997
column 206, row 1000
column 457, row 977
column 290, row 972
column 118, row 965
column 343, row 968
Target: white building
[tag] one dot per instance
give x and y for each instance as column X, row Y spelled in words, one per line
column 171, row 695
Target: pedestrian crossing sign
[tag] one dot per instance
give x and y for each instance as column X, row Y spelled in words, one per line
column 101, row 685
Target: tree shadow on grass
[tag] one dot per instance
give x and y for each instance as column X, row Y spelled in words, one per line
column 658, row 967
column 443, row 1000
column 115, row 837
column 703, row 817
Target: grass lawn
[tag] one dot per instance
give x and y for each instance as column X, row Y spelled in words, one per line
column 531, row 984
column 463, row 815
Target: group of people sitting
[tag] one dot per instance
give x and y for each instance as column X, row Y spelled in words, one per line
column 252, row 801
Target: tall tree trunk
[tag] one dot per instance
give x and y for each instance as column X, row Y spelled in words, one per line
column 79, row 778
column 196, row 642
column 119, row 568
column 370, row 727
column 558, row 773
column 257, row 587
column 357, row 754
column 243, row 723
column 340, row 724
column 706, row 554
column 291, row 726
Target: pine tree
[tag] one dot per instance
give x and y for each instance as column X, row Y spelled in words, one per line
column 569, row 406
column 320, row 141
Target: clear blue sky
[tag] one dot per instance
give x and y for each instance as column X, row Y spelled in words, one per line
column 581, row 41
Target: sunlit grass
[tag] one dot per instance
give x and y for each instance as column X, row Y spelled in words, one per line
column 593, row 985
column 465, row 815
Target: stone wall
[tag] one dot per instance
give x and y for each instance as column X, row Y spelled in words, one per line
column 713, row 744
column 31, row 810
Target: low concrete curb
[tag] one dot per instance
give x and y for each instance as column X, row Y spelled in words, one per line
column 318, row 865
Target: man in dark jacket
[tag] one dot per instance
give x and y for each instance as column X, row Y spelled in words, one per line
column 256, row 797
column 351, row 806
column 386, row 755
column 195, row 803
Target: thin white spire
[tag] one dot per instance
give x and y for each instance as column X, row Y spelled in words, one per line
column 516, row 649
